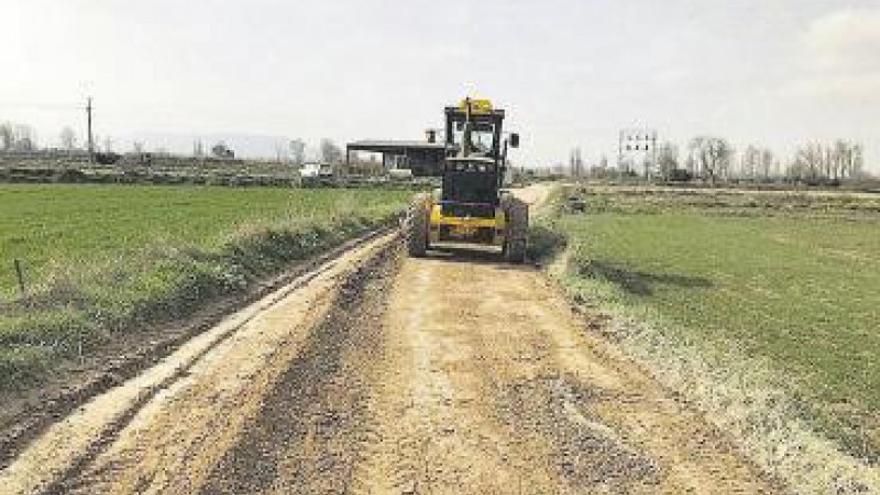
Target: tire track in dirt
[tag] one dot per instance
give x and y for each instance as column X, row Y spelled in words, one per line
column 490, row 386
column 435, row 430
column 308, row 433
column 173, row 441
column 26, row 417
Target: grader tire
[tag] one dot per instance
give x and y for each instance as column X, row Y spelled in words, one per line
column 417, row 229
column 516, row 238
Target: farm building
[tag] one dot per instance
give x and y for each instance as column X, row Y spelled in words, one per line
column 422, row 157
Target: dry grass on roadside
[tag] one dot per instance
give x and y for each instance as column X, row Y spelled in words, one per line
column 106, row 260
column 754, row 309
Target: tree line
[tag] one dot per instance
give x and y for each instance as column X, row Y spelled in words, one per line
column 17, row 137
column 23, row 138
column 294, row 153
column 714, row 159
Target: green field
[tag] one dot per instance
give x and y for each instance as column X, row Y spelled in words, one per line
column 793, row 279
column 100, row 259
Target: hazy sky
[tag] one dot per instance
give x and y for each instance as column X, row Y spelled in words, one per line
column 771, row 72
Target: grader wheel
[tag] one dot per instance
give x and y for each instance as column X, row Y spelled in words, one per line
column 416, row 228
column 516, row 238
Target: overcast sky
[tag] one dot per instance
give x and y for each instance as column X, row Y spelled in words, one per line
column 570, row 72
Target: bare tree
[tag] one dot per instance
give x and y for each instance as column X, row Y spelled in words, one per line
column 828, row 160
column 280, row 153
column 198, row 148
column 646, row 167
column 600, row 169
column 808, row 163
column 723, row 152
column 691, row 164
column 839, row 157
column 7, row 136
column 580, row 162
column 108, row 144
column 667, row 159
column 750, row 162
column 711, row 156
column 330, row 152
column 858, row 161
column 767, row 163
column 68, row 138
column 24, row 138
column 817, row 162
column 576, row 162
column 137, row 147
column 220, row 150
column 297, row 151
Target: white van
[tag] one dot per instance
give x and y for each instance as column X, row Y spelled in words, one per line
column 315, row 171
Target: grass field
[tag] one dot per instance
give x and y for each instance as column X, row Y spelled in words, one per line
column 100, row 259
column 792, row 280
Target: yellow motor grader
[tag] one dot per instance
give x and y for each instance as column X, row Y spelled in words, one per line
column 471, row 207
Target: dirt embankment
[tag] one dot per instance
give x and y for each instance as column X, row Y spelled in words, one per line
column 455, row 373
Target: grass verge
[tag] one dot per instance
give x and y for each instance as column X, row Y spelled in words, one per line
column 761, row 315
column 106, row 261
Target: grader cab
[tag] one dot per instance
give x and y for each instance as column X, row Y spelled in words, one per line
column 471, row 207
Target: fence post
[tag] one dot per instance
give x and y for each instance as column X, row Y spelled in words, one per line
column 19, row 271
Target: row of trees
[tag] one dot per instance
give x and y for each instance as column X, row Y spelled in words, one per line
column 715, row 159
column 835, row 161
column 294, row 153
column 17, row 137
column 22, row 137
column 576, row 163
column 328, row 152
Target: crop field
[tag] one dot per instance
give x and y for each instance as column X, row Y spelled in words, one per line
column 100, row 259
column 792, row 280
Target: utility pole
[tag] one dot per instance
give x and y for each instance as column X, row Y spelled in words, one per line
column 91, row 141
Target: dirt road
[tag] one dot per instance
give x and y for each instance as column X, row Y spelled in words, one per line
column 450, row 374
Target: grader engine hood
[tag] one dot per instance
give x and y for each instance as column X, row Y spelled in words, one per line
column 471, row 182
